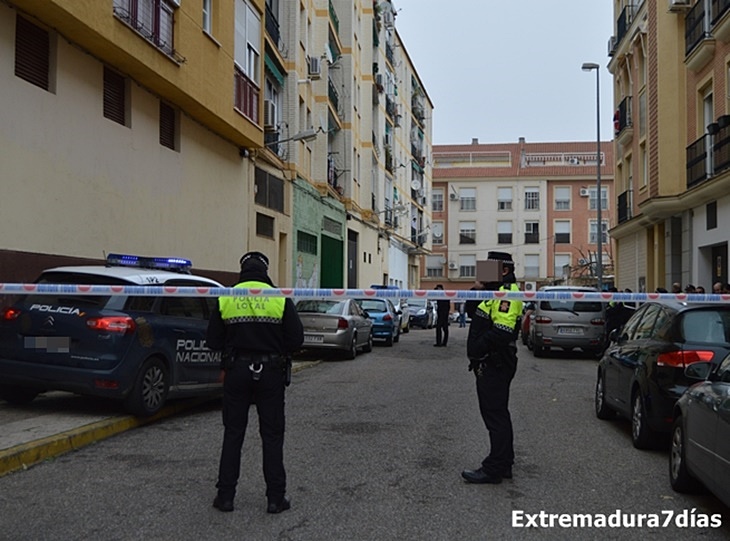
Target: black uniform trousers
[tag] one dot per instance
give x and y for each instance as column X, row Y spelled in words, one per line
column 493, row 392
column 240, row 390
column 442, row 332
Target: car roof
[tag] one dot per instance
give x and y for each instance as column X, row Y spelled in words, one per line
column 133, row 275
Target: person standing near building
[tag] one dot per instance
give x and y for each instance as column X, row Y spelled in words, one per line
column 492, row 351
column 257, row 336
column 443, row 307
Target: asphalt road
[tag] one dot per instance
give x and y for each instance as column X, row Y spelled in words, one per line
column 374, row 450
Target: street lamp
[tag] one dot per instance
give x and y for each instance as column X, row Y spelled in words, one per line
column 306, row 135
column 590, row 66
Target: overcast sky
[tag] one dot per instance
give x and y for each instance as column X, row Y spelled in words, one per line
column 501, row 70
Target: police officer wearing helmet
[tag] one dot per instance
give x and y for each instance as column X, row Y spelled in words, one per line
column 257, row 336
column 492, row 351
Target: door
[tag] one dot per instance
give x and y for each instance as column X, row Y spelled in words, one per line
column 719, row 264
column 331, row 263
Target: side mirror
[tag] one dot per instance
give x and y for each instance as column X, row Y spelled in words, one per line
column 613, row 336
column 699, row 371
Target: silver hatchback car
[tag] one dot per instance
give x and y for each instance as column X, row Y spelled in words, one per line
column 567, row 323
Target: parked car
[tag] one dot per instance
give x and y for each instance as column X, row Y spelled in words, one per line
column 385, row 318
column 642, row 373
column 700, row 451
column 567, row 323
column 527, row 310
column 401, row 305
column 422, row 313
column 141, row 350
column 339, row 325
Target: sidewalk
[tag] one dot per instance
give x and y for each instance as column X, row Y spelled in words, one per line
column 58, row 422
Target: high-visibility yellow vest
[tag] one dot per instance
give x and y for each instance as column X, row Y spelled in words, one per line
column 502, row 312
column 252, row 309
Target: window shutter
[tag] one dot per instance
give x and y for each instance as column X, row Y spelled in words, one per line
column 167, row 126
column 32, row 53
column 115, row 103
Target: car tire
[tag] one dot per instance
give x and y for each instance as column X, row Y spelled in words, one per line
column 523, row 336
column 679, row 476
column 368, row 347
column 17, row 396
column 389, row 340
column 352, row 352
column 396, row 338
column 149, row 392
column 641, row 435
column 538, row 351
column 407, row 328
column 602, row 409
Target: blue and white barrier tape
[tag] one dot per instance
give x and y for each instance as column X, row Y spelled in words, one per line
column 311, row 293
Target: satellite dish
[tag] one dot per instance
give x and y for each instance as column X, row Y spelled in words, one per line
column 415, row 184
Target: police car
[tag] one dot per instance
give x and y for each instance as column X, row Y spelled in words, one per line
column 138, row 349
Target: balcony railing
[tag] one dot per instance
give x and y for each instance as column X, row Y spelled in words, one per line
column 272, row 26
column 721, row 146
column 719, row 8
column 532, row 238
column 625, row 112
column 390, row 106
column 246, row 96
column 333, row 96
column 624, row 22
column 333, row 17
column 270, row 140
column 694, row 27
column 624, row 206
column 389, row 54
column 698, row 160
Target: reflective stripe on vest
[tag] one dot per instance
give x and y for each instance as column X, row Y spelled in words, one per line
column 503, row 312
column 252, row 309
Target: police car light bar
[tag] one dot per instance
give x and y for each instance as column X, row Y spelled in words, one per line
column 175, row 264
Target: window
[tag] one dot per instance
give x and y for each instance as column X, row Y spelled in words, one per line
column 532, row 232
column 32, row 53
column 434, row 265
column 711, row 215
column 152, row 19
column 562, row 198
column 264, row 225
column 306, row 243
column 604, row 198
column 467, row 266
column 504, row 198
column 189, row 307
column 437, row 200
column 561, row 261
column 642, row 114
column 467, row 232
column 269, row 190
column 168, row 127
column 593, row 239
column 562, row 232
column 468, row 198
column 532, row 265
column 532, row 199
column 247, row 60
column 208, row 16
column 504, row 232
column 115, row 97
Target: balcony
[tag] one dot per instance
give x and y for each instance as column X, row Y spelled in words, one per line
column 390, row 107
column 721, row 20
column 272, row 26
column 532, row 238
column 333, row 96
column 389, row 54
column 335, row 20
column 270, row 141
column 246, row 96
column 623, row 122
column 625, row 202
column 721, row 146
column 624, row 22
column 698, row 161
column 699, row 45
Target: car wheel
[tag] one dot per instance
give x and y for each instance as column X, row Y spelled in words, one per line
column 602, row 409
column 389, row 340
column 150, row 390
column 679, row 476
column 352, row 352
column 407, row 328
column 524, row 338
column 17, row 396
column 538, row 351
column 368, row 347
column 641, row 434
column 396, row 338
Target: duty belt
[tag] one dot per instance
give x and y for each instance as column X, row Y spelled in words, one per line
column 257, row 361
column 505, row 328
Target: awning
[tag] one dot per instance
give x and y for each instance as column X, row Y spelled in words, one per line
column 274, row 70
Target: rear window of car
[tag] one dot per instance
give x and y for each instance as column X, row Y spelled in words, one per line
column 320, row 307
column 92, row 301
column 571, row 306
column 709, row 326
column 374, row 305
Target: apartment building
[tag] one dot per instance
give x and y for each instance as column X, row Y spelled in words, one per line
column 536, row 201
column 205, row 129
column 669, row 61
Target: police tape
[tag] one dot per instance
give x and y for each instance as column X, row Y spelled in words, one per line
column 333, row 293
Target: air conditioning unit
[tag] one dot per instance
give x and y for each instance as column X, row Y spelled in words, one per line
column 314, row 67
column 388, row 18
column 453, row 265
column 611, row 45
column 269, row 115
column 679, row 5
column 453, row 196
column 585, row 192
column 379, row 79
column 530, row 286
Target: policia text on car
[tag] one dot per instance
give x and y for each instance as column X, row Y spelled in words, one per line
column 492, row 352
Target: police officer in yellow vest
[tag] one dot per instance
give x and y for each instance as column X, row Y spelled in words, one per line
column 492, row 351
column 257, row 335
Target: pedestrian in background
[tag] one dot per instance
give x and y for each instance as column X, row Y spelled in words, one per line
column 443, row 307
column 257, row 336
column 492, row 351
column 462, row 315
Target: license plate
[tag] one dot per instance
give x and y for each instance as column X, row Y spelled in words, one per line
column 314, row 339
column 570, row 330
column 48, row 344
